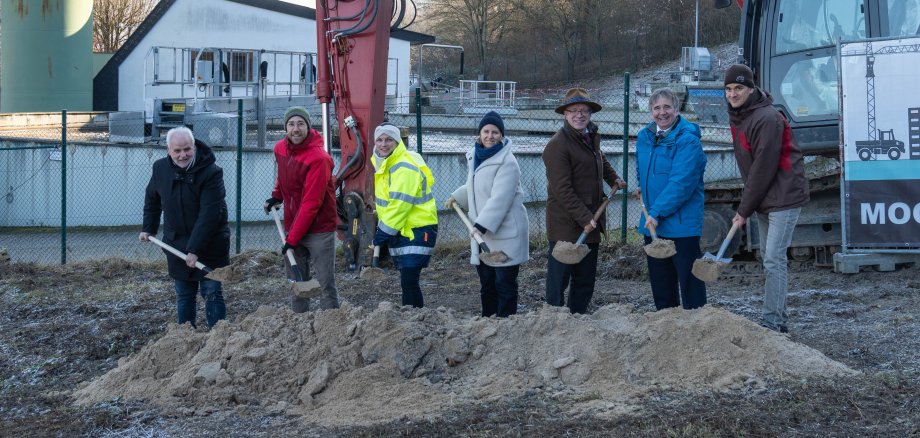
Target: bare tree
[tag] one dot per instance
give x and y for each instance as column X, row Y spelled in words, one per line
column 477, row 24
column 115, row 20
column 539, row 42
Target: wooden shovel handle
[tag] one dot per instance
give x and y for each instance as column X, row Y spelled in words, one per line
column 597, row 215
column 177, row 253
column 600, row 210
column 470, row 227
column 289, row 253
column 728, row 238
column 648, row 224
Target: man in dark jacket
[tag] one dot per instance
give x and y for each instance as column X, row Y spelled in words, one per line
column 306, row 188
column 775, row 186
column 575, row 172
column 187, row 188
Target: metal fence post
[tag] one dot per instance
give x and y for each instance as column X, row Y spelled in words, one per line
column 239, row 171
column 625, row 154
column 63, row 187
column 418, row 118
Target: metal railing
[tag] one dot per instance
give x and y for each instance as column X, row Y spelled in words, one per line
column 477, row 95
column 67, row 192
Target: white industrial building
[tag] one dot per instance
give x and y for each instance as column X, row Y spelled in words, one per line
column 218, row 49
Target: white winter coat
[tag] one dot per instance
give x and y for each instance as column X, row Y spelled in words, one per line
column 496, row 202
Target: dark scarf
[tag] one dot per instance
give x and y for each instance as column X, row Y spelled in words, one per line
column 481, row 153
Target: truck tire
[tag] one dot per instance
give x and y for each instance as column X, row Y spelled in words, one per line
column 717, row 220
column 864, row 154
column 894, row 154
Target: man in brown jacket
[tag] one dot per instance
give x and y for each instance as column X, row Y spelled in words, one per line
column 774, row 179
column 576, row 170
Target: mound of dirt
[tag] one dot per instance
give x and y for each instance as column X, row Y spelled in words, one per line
column 352, row 366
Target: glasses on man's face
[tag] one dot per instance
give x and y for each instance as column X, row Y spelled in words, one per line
column 580, row 112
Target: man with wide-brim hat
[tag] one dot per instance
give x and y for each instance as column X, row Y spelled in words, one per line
column 578, row 95
column 575, row 172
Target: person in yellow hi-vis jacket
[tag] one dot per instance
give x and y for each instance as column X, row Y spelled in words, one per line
column 407, row 213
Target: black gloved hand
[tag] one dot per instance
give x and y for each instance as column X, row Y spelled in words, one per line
column 381, row 237
column 286, row 247
column 271, row 203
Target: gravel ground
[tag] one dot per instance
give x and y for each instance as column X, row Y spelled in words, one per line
column 64, row 326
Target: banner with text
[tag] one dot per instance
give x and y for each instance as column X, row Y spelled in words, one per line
column 881, row 143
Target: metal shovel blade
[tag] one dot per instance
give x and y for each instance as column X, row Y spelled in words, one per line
column 493, row 257
column 371, row 273
column 709, row 267
column 305, row 289
column 660, row 248
column 570, row 253
column 228, row 273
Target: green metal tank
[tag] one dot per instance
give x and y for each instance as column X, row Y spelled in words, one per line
column 47, row 48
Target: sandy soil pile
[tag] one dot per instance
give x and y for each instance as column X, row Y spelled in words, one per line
column 354, row 366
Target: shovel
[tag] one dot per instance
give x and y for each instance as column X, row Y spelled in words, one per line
column 486, row 255
column 709, row 267
column 572, row 253
column 219, row 274
column 373, row 272
column 301, row 288
column 659, row 248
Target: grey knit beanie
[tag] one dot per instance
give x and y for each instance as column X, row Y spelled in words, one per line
column 297, row 111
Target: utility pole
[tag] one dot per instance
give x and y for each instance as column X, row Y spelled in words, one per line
column 696, row 28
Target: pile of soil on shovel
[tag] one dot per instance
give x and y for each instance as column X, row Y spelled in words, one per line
column 353, row 366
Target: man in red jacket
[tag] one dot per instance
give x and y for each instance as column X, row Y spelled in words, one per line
column 306, row 188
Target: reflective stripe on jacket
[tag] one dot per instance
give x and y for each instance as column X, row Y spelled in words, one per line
column 402, row 186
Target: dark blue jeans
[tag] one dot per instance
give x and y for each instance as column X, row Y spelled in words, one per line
column 214, row 308
column 409, row 279
column 672, row 282
column 578, row 278
column 499, row 290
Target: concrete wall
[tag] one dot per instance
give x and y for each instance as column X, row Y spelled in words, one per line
column 105, row 182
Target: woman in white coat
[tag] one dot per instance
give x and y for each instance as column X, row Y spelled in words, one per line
column 493, row 196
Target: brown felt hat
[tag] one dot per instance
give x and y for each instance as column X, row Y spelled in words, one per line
column 578, row 95
column 740, row 74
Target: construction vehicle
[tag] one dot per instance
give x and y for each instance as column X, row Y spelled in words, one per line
column 352, row 43
column 885, row 144
column 791, row 45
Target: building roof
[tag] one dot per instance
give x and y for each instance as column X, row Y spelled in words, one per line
column 105, row 83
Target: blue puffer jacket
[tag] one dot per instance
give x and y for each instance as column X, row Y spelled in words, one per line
column 670, row 173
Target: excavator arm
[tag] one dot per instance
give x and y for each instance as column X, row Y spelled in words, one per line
column 352, row 47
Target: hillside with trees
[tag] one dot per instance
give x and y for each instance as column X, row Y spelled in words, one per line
column 539, row 42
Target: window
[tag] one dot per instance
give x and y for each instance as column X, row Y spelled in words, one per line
column 809, row 87
column 241, row 66
column 808, row 24
column 904, row 17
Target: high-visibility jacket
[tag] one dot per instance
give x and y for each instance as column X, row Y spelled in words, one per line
column 402, row 186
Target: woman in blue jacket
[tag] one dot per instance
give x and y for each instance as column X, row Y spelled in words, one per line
column 670, row 166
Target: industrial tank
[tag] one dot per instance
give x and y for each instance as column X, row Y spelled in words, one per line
column 47, row 60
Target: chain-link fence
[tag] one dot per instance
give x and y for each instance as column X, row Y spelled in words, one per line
column 73, row 184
